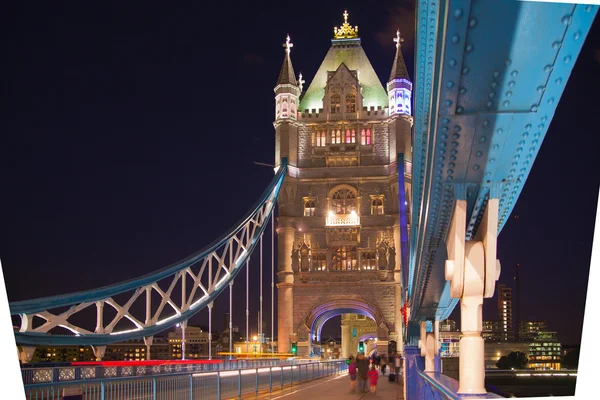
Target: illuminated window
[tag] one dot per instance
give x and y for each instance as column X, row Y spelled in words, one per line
column 309, row 208
column 343, row 258
column 377, row 205
column 336, row 103
column 319, row 262
column 320, row 139
column 365, row 137
column 336, row 137
column 343, row 201
column 350, row 136
column 350, row 103
column 284, row 108
column 368, row 260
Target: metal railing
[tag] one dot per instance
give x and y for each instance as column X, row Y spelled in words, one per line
column 55, row 374
column 203, row 385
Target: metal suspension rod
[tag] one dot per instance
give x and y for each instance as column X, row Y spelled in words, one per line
column 183, row 326
column 272, row 280
column 247, row 311
column 210, row 306
column 230, row 319
column 260, row 318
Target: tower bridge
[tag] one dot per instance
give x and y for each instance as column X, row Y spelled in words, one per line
column 378, row 210
column 338, row 216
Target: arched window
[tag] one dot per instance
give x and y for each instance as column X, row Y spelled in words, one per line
column 343, row 258
column 319, row 139
column 352, row 136
column 365, row 137
column 368, row 260
column 336, row 103
column 284, row 107
column 377, row 206
column 336, row 137
column 309, row 208
column 319, row 262
column 348, row 136
column 350, row 103
column 343, row 201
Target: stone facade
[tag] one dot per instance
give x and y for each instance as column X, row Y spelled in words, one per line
column 338, row 222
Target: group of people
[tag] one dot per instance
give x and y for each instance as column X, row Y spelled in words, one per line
column 362, row 368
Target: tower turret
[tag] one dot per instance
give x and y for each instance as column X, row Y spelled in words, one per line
column 399, row 89
column 287, row 94
column 399, row 85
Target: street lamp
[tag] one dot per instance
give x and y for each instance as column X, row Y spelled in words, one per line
column 255, row 339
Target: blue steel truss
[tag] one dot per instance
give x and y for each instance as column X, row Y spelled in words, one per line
column 210, row 270
column 488, row 78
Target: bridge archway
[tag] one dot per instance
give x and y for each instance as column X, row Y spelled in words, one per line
column 316, row 318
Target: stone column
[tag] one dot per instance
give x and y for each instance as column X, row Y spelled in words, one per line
column 426, row 343
column 437, row 361
column 346, row 338
column 472, row 270
column 285, row 287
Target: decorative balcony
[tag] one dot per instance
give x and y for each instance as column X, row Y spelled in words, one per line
column 351, row 219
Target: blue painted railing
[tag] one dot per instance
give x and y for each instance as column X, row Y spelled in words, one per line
column 204, row 385
column 431, row 385
column 68, row 373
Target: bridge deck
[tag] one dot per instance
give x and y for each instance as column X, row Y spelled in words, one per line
column 337, row 387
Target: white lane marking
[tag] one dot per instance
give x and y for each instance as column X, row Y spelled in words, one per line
column 307, row 387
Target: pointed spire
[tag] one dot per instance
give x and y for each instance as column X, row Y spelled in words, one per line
column 300, row 81
column 287, row 76
column 399, row 70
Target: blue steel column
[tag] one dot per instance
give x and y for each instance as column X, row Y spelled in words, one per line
column 412, row 359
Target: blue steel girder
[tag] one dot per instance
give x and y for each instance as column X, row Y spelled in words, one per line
column 209, row 272
column 488, row 78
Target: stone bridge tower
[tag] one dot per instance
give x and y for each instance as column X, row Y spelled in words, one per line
column 338, row 224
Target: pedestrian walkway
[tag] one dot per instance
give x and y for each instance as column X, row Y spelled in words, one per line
column 335, row 388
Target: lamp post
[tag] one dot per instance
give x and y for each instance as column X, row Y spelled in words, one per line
column 255, row 339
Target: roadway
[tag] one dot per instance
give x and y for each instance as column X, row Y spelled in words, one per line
column 337, row 387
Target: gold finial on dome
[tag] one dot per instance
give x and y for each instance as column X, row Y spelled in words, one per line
column 346, row 31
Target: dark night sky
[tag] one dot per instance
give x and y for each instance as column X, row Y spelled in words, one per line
column 129, row 132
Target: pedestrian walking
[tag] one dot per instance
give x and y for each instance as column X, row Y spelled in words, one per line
column 362, row 367
column 352, row 373
column 373, row 377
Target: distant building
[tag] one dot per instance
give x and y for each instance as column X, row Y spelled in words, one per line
column 528, row 330
column 505, row 313
column 62, row 354
column 491, row 331
column 448, row 325
column 545, row 351
column 129, row 350
column 449, row 343
column 196, row 343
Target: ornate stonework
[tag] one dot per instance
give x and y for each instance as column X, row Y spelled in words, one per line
column 338, row 223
